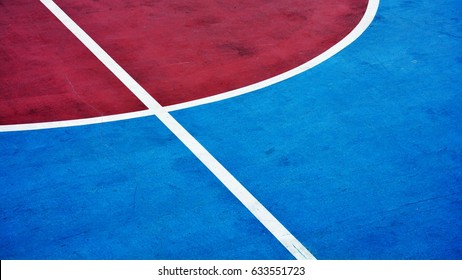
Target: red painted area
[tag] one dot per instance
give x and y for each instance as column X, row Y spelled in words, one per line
column 46, row 74
column 184, row 50
column 177, row 50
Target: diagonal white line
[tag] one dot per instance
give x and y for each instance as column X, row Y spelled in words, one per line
column 233, row 185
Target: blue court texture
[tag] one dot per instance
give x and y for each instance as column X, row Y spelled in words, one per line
column 359, row 157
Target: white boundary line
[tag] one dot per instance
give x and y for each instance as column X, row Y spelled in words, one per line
column 233, row 185
column 351, row 37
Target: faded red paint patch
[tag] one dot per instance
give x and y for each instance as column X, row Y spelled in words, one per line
column 179, row 51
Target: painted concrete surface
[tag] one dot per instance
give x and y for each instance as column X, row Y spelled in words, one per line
column 360, row 158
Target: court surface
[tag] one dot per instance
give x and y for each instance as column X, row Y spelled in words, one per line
column 230, row 130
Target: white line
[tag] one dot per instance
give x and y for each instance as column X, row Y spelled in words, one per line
column 233, row 185
column 369, row 15
column 115, row 68
column 79, row 122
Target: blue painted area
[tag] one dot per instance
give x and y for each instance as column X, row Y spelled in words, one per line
column 360, row 157
column 124, row 190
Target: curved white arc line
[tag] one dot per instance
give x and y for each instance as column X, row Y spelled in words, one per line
column 78, row 122
column 367, row 19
